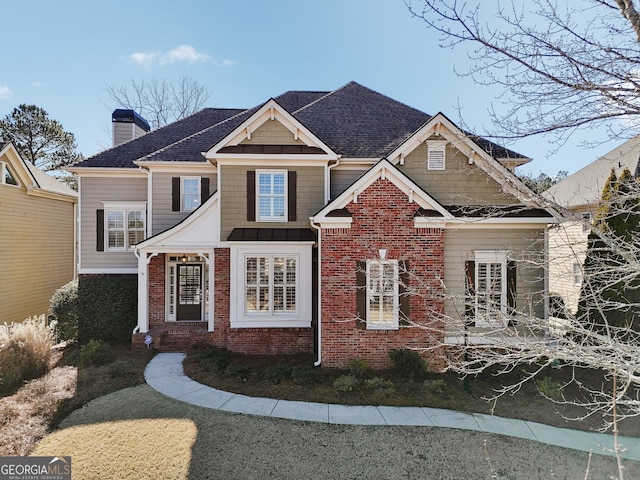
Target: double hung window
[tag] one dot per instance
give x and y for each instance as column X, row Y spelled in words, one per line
column 189, row 193
column 272, row 195
column 491, row 287
column 270, row 284
column 124, row 228
column 382, row 294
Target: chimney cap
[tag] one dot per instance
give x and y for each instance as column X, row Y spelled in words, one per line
column 121, row 115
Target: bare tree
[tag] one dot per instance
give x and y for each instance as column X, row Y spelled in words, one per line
column 562, row 67
column 159, row 101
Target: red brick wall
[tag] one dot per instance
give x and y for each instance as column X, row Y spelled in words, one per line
column 157, row 290
column 382, row 218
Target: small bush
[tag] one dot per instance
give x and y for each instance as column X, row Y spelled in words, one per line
column 549, row 388
column 408, row 362
column 345, row 383
column 121, row 368
column 359, row 368
column 380, row 385
column 96, row 352
column 277, row 373
column 64, row 308
column 434, row 386
column 303, row 375
column 25, row 351
column 213, row 360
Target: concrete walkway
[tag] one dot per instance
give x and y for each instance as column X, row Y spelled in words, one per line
column 165, row 374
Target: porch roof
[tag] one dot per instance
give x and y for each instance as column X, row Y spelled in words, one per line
column 272, row 235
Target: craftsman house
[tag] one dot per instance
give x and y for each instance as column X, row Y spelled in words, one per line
column 342, row 223
column 37, row 236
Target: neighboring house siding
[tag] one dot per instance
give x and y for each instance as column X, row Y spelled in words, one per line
column 36, row 251
column 94, row 191
column 567, row 246
column 163, row 216
column 272, row 133
column 233, row 198
column 524, row 246
column 459, row 184
column 341, row 178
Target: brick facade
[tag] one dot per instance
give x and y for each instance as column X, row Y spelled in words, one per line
column 382, row 218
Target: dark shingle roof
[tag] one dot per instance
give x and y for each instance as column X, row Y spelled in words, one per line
column 354, row 121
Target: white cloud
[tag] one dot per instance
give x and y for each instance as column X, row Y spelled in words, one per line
column 5, row 92
column 38, row 84
column 181, row 53
column 227, row 63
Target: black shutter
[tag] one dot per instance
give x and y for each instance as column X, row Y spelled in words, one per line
column 204, row 190
column 469, row 289
column 100, row 230
column 511, row 287
column 251, row 195
column 291, row 196
column 403, row 291
column 361, row 295
column 175, row 194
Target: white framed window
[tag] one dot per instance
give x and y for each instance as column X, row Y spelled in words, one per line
column 270, row 285
column 577, row 274
column 490, row 287
column 436, row 154
column 383, row 296
column 189, row 193
column 271, row 195
column 124, row 225
column 6, row 177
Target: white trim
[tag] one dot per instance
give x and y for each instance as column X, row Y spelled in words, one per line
column 107, row 171
column 177, row 167
column 268, row 161
column 285, row 195
column 302, row 317
column 198, row 180
column 439, row 146
column 107, row 271
column 396, row 295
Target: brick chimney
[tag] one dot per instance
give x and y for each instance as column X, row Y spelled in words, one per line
column 127, row 125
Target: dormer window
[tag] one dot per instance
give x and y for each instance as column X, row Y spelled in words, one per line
column 436, row 154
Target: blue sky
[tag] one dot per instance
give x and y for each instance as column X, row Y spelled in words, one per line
column 62, row 55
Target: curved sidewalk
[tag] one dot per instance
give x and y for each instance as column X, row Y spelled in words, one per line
column 165, row 374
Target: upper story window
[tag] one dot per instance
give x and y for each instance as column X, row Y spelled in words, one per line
column 272, row 195
column 382, row 294
column 586, row 222
column 577, row 274
column 6, row 177
column 436, row 154
column 189, row 193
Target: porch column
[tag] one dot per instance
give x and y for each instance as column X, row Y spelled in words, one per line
column 209, row 259
column 143, row 293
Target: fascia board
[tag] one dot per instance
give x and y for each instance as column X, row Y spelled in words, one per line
column 174, row 166
column 20, row 169
column 107, row 172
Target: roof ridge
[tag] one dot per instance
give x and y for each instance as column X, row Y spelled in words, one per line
column 199, row 132
column 327, row 94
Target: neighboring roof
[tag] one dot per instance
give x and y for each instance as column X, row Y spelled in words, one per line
column 354, row 121
column 584, row 187
column 48, row 183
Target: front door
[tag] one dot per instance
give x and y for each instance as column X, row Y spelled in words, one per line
column 189, row 292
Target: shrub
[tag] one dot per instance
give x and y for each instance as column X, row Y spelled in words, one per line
column 359, row 368
column 549, row 388
column 64, row 308
column 434, row 386
column 121, row 369
column 277, row 373
column 96, row 352
column 213, row 359
column 345, row 383
column 25, row 351
column 107, row 308
column 408, row 362
column 303, row 375
column 238, row 371
column 380, row 385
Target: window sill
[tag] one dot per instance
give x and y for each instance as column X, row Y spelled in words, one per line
column 270, row 323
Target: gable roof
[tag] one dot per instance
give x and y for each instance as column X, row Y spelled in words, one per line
column 584, row 188
column 35, row 180
column 353, row 121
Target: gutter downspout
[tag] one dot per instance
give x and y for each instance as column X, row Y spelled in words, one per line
column 319, row 287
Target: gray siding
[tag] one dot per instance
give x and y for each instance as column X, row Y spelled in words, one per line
column 93, row 191
column 525, row 246
column 233, row 198
column 272, row 133
column 459, row 184
column 342, row 178
column 163, row 216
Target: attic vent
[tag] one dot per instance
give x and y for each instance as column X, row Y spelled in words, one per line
column 436, row 155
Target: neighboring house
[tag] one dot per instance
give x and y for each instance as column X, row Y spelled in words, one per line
column 580, row 194
column 342, row 223
column 37, row 236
